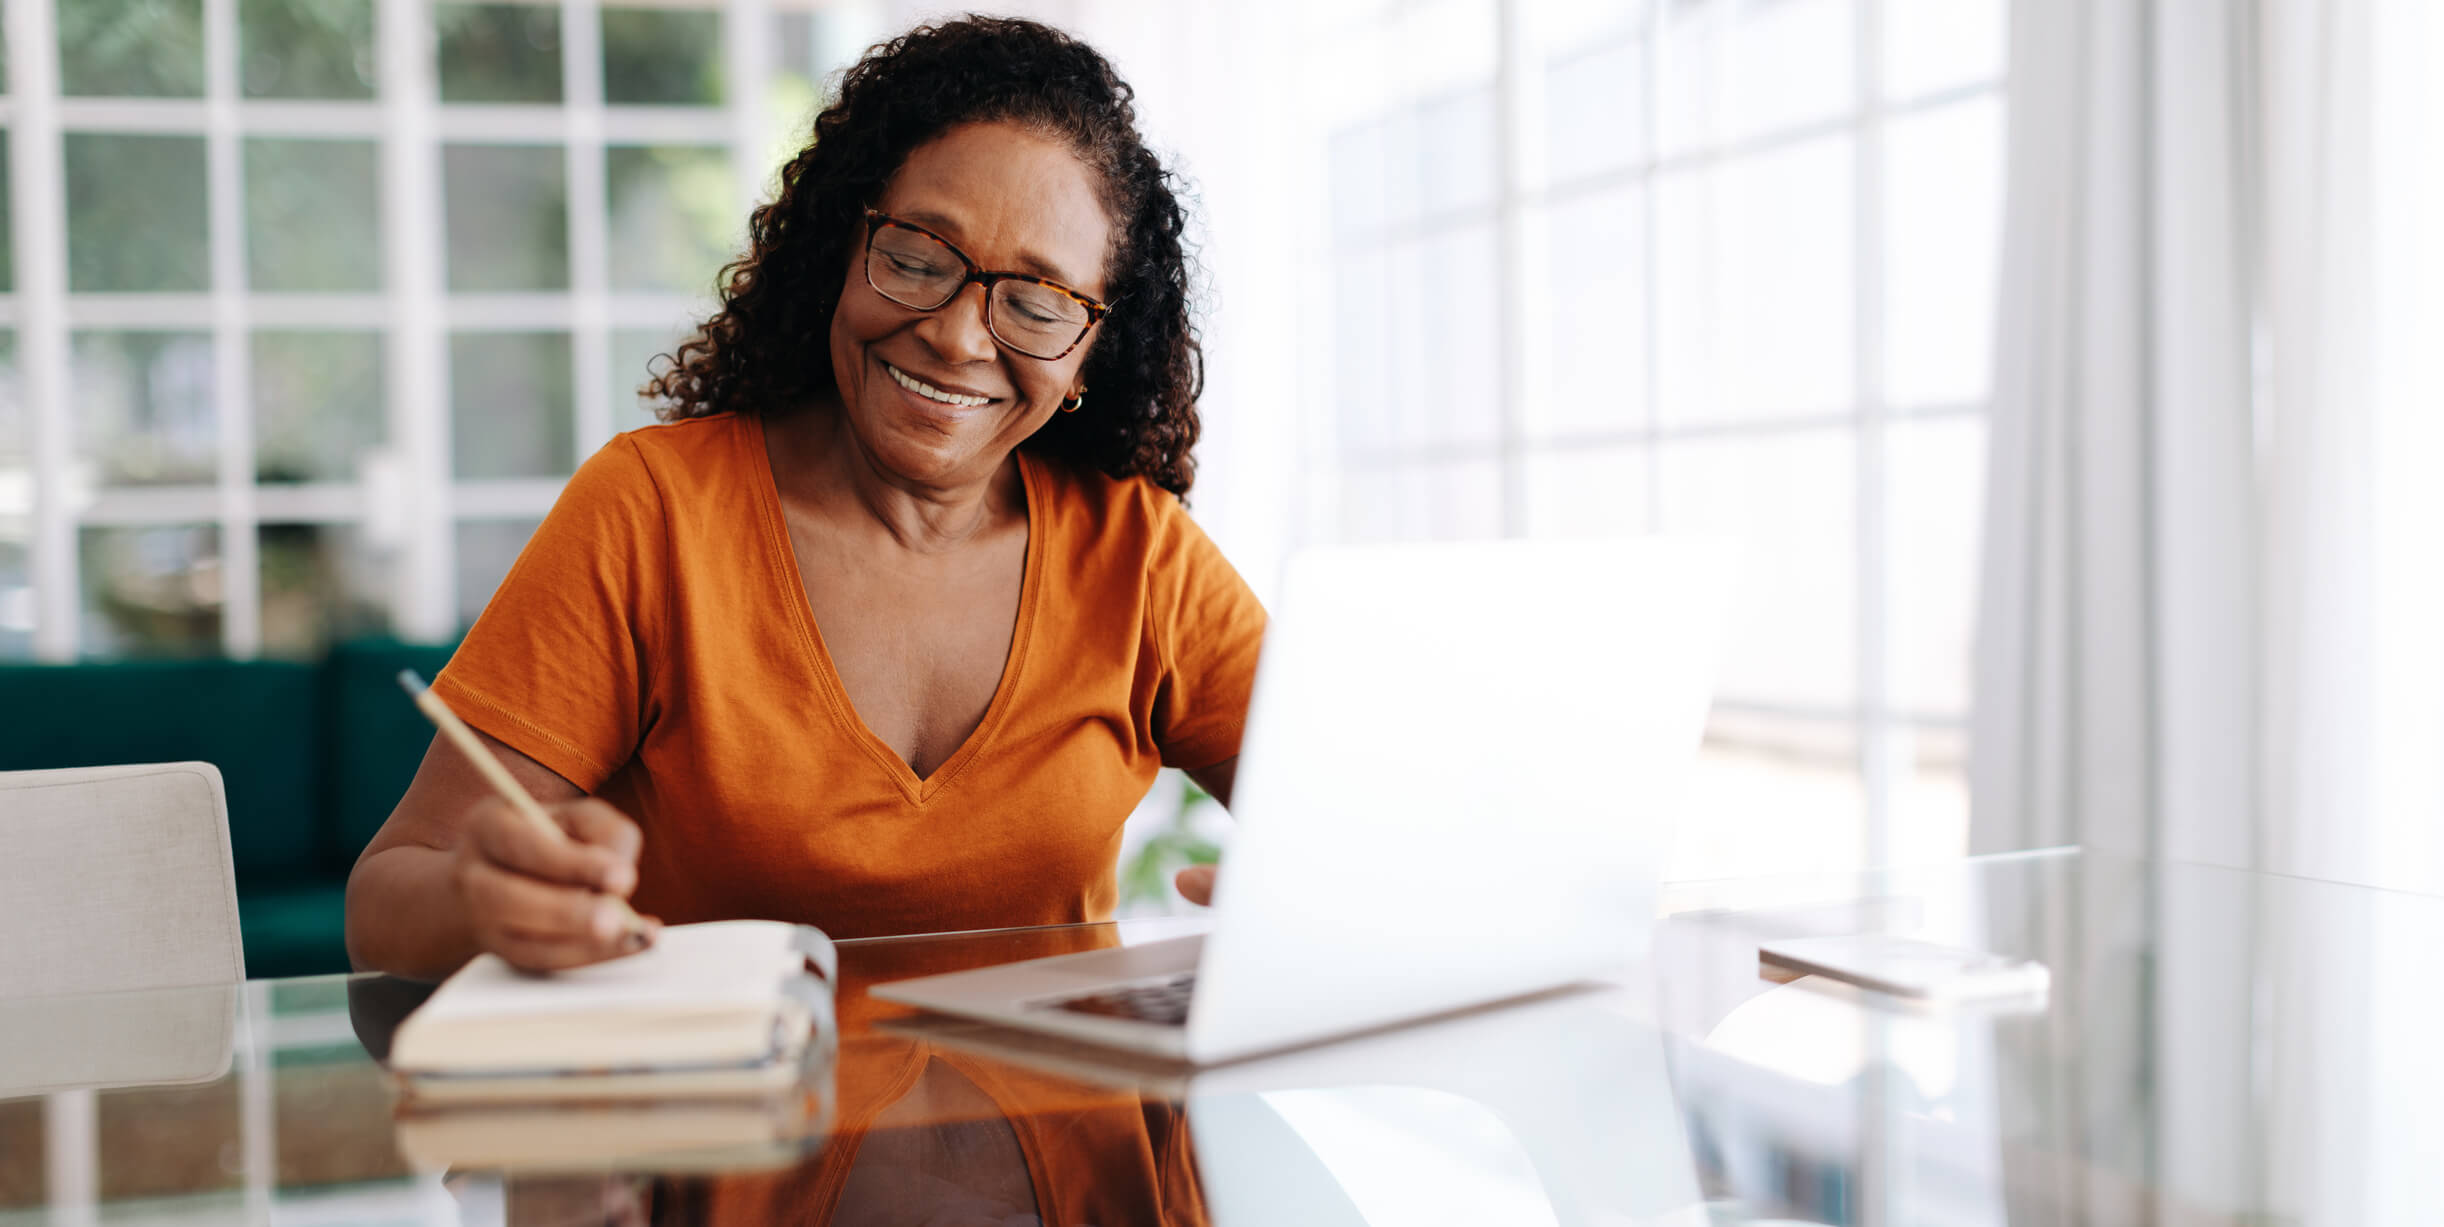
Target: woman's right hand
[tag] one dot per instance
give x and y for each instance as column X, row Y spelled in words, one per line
column 550, row 898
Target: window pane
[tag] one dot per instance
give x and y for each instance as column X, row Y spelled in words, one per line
column 1423, row 502
column 318, row 404
column 1563, row 26
column 1595, row 111
column 136, row 212
column 1787, row 501
column 797, row 70
column 16, row 430
column 145, row 48
column 1943, row 219
column 1740, row 69
column 486, row 548
column 144, row 407
column 1935, row 44
column 1404, row 184
column 306, row 48
column 661, row 56
column 1461, row 311
column 1600, row 492
column 16, row 510
column 1935, row 488
column 1361, row 354
column 16, row 588
column 508, row 216
column 671, row 216
column 1361, row 180
column 1457, row 169
column 1930, row 803
column 150, row 591
column 1770, row 794
column 321, row 583
column 313, row 215
column 806, row 48
column 1754, row 305
column 8, row 250
column 1595, row 295
column 1405, row 383
column 511, row 408
column 1418, row 325
column 636, row 355
column 498, row 52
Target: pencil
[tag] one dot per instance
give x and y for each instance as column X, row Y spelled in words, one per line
column 489, row 766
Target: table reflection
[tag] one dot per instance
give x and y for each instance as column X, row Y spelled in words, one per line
column 2218, row 1047
column 955, row 1141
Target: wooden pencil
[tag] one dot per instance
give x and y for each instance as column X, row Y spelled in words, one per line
column 496, row 774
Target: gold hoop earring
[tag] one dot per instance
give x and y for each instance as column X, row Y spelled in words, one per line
column 1071, row 405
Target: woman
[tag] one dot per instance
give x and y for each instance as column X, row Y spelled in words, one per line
column 890, row 624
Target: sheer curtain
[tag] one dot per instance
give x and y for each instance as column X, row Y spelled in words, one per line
column 2211, row 625
column 2212, row 617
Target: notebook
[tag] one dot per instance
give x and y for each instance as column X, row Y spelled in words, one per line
column 690, row 1136
column 717, row 1009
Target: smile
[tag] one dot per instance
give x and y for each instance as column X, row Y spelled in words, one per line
column 932, row 393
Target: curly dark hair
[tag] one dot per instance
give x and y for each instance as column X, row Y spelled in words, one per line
column 767, row 349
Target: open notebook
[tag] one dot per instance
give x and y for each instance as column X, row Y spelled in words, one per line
column 723, row 1008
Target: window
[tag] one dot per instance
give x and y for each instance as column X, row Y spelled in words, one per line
column 310, row 306
column 1721, row 266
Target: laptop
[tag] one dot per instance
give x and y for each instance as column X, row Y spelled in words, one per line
column 1454, row 788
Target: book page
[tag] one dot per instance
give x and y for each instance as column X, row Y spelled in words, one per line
column 723, row 965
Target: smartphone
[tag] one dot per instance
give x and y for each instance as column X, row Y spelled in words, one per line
column 1907, row 967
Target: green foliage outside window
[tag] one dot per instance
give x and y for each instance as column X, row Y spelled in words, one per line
column 306, row 48
column 1146, row 878
column 498, row 52
column 132, row 48
column 661, row 57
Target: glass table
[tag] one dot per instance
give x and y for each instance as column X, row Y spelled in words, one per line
column 2217, row 1047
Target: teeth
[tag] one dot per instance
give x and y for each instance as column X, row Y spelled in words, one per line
column 930, row 392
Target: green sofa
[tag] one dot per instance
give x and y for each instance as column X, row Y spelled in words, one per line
column 313, row 756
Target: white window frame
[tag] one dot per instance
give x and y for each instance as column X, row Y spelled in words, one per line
column 414, row 495
column 1882, row 732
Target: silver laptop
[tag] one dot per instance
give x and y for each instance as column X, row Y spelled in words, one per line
column 1456, row 783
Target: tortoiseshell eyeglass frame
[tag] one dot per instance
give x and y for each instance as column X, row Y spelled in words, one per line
column 877, row 220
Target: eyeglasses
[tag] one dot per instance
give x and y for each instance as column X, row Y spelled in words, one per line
column 920, row 270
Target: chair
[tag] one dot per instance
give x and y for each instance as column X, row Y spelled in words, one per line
column 313, row 756
column 116, row 879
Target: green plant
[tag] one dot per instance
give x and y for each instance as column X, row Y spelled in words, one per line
column 1147, row 876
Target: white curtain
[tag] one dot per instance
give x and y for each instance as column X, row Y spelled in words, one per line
column 2060, row 740
column 2353, row 645
column 2211, row 621
column 2212, row 607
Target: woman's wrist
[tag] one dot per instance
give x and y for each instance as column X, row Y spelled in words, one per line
column 405, row 916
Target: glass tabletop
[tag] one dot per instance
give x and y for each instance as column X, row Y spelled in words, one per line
column 2216, row 1047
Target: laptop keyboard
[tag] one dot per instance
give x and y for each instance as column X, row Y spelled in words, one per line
column 1155, row 1001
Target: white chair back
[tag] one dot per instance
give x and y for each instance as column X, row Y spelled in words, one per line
column 115, row 879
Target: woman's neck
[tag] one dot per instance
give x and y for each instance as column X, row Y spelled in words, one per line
column 817, row 459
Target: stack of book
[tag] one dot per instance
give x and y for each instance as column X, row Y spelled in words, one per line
column 709, row 1050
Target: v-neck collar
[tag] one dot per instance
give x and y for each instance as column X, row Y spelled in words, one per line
column 919, row 789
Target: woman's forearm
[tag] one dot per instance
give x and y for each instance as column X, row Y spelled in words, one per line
column 404, row 915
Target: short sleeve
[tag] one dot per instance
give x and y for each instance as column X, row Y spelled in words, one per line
column 558, row 666
column 1207, row 628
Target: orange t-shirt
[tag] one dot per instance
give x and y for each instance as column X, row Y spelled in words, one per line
column 653, row 645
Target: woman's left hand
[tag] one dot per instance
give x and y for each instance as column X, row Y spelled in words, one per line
column 1196, row 884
